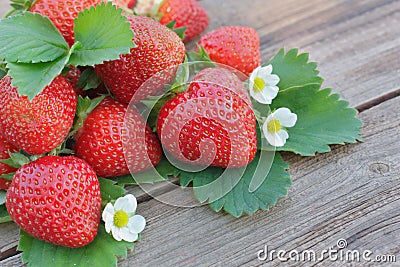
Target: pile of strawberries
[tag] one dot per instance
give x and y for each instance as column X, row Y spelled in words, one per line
column 56, row 197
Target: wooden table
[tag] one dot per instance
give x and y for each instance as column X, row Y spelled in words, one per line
column 351, row 193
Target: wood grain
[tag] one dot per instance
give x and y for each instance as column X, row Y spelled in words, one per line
column 350, row 193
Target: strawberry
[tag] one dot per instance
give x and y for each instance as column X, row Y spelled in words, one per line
column 125, row 3
column 186, row 13
column 158, row 48
column 40, row 125
column 215, row 108
column 5, row 148
column 72, row 77
column 62, row 13
column 56, row 199
column 100, row 141
column 238, row 47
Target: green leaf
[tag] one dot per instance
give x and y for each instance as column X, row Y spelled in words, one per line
column 83, row 109
column 179, row 31
column 241, row 198
column 322, row 120
column 89, row 79
column 16, row 160
column 8, row 176
column 200, row 55
column 103, row 33
column 101, row 252
column 30, row 38
column 4, row 216
column 110, row 190
column 164, row 170
column 32, row 78
column 294, row 69
column 2, row 73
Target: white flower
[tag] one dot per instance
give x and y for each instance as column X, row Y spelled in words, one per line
column 273, row 129
column 263, row 84
column 121, row 220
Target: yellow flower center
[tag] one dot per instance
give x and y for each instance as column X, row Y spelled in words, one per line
column 259, row 85
column 274, row 126
column 121, row 218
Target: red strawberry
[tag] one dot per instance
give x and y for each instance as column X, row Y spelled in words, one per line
column 100, row 140
column 158, row 48
column 62, row 13
column 57, row 200
column 216, row 108
column 238, row 47
column 40, row 125
column 125, row 3
column 73, row 78
column 187, row 13
column 5, row 148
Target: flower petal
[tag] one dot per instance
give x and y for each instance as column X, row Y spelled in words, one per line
column 267, row 95
column 109, row 224
column 275, row 139
column 272, row 80
column 127, row 203
column 136, row 224
column 280, row 138
column 108, row 212
column 267, row 70
column 116, row 233
column 126, row 235
column 254, row 75
column 261, row 98
column 285, row 117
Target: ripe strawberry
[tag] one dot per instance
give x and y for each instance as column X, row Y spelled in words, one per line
column 101, row 139
column 73, row 78
column 5, row 148
column 187, row 13
column 57, row 200
column 238, row 47
column 216, row 108
column 158, row 48
column 125, row 3
column 62, row 13
column 40, row 125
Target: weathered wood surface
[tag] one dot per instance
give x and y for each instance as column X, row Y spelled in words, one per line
column 351, row 193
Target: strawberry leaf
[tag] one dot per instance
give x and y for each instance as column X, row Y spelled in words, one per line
column 179, row 31
column 16, row 160
column 30, row 38
column 241, row 197
column 104, row 34
column 103, row 251
column 32, row 78
column 4, row 216
column 294, row 69
column 8, row 176
column 89, row 79
column 110, row 190
column 164, row 169
column 2, row 73
column 322, row 120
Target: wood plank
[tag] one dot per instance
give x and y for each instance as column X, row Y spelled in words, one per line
column 350, row 193
column 355, row 42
